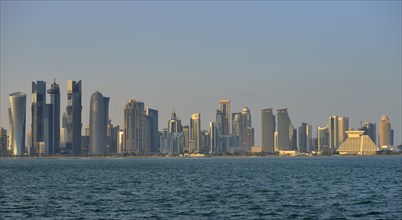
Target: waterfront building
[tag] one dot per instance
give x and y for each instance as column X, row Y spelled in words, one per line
column 333, row 132
column 370, row 130
column 98, row 119
column 174, row 125
column 267, row 130
column 343, row 126
column 358, row 144
column 120, row 142
column 214, row 135
column 237, row 131
column 195, row 133
column 153, row 129
column 284, row 142
column 38, row 115
column 224, row 105
column 305, row 138
column 17, row 119
column 186, row 133
column 53, row 118
column 385, row 131
column 247, row 132
column 323, row 138
column 3, row 142
column 134, row 136
column 73, row 117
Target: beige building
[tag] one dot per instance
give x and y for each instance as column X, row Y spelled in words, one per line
column 343, row 126
column 358, row 144
column 385, row 131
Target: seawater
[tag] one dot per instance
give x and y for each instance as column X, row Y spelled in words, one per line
column 202, row 188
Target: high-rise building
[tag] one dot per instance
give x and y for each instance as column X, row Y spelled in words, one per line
column 53, row 114
column 17, row 118
column 293, row 137
column 174, row 124
column 333, row 132
column 38, row 115
column 224, row 105
column 303, row 137
column 391, row 138
column 247, row 132
column 186, row 133
column 98, row 120
column 343, row 126
column 134, row 136
column 153, row 129
column 73, row 116
column 267, row 130
column 385, row 131
column 248, row 138
column 195, row 133
column 309, row 137
column 323, row 138
column 370, row 130
column 3, row 142
column 213, row 130
column 284, row 142
column 237, row 129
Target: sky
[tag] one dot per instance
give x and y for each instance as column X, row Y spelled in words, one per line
column 315, row 58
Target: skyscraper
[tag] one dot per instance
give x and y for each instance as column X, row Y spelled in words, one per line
column 154, row 130
column 385, row 131
column 38, row 115
column 333, row 132
column 343, row 126
column 214, row 137
column 195, row 132
column 134, row 137
column 267, row 130
column 73, row 116
column 186, row 133
column 174, row 124
column 225, row 109
column 17, row 114
column 247, row 133
column 284, row 142
column 323, row 138
column 303, row 137
column 98, row 120
column 237, row 129
column 53, row 113
column 370, row 130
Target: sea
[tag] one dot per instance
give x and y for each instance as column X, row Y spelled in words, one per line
column 202, row 188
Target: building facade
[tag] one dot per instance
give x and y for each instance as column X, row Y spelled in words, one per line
column 267, row 130
column 385, row 131
column 17, row 118
column 73, row 117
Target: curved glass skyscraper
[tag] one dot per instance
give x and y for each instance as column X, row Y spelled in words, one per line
column 98, row 119
column 17, row 114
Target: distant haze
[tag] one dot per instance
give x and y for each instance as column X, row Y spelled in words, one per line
column 315, row 58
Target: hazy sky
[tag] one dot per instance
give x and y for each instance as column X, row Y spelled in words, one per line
column 315, row 58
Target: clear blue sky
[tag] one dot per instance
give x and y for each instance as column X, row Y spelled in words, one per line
column 315, row 58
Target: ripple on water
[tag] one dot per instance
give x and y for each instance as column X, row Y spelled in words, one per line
column 247, row 188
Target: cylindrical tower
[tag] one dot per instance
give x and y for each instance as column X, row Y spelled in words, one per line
column 97, row 127
column 17, row 114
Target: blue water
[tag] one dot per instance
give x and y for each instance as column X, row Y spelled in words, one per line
column 205, row 188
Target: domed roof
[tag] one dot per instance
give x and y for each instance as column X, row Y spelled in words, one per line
column 384, row 118
column 96, row 95
column 245, row 110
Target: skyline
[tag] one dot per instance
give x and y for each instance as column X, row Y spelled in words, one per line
column 199, row 52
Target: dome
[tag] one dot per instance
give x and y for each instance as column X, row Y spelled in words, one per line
column 384, row 118
column 245, row 110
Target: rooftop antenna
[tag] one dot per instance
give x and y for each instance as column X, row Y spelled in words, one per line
column 97, row 87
